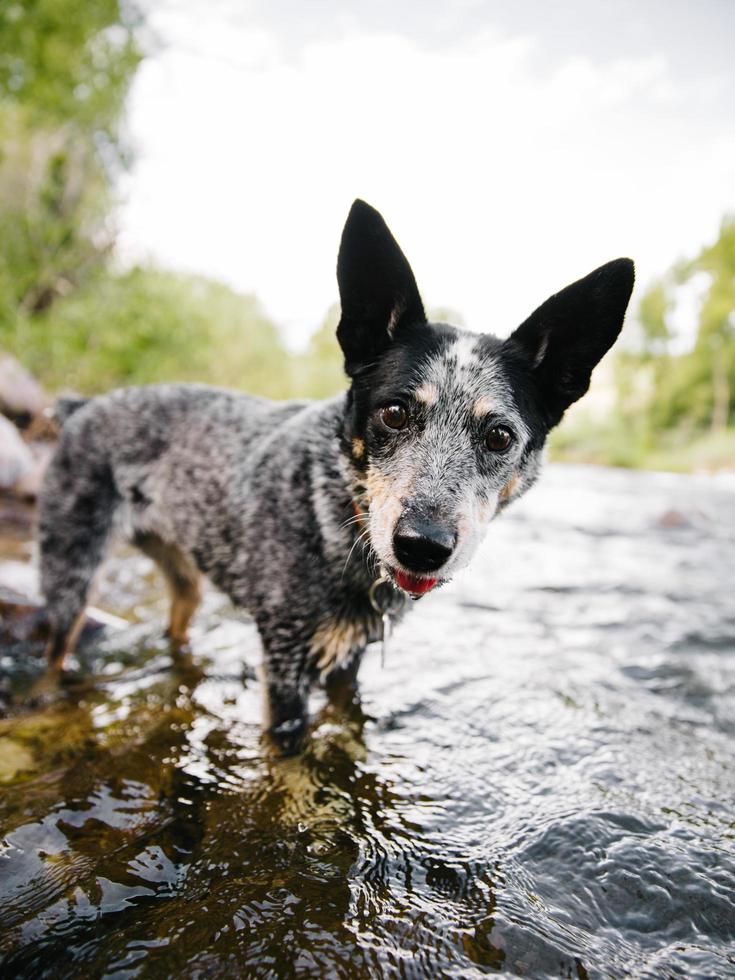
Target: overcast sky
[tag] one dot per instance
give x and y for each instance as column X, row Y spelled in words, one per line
column 511, row 146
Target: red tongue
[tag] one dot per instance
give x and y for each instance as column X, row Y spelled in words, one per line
column 414, row 584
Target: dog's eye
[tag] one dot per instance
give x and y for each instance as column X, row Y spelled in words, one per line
column 394, row 416
column 498, row 439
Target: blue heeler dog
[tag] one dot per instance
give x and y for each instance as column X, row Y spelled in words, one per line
column 296, row 509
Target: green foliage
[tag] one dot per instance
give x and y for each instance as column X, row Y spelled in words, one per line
column 54, row 207
column 69, row 63
column 674, row 410
column 653, row 311
column 319, row 372
column 694, row 390
column 632, row 444
column 65, row 69
column 144, row 326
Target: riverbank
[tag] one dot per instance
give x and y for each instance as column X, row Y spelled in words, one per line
column 673, row 452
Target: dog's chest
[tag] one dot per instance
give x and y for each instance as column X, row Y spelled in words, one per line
column 340, row 638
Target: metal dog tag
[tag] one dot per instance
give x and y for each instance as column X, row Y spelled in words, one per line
column 386, row 599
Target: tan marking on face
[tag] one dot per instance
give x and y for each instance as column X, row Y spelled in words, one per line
column 358, row 448
column 333, row 642
column 376, row 485
column 510, row 488
column 384, row 494
column 427, row 393
column 483, row 406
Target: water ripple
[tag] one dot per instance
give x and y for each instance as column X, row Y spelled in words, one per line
column 540, row 783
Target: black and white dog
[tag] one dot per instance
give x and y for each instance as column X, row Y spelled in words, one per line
column 296, row 509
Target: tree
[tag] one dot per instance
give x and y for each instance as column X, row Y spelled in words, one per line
column 691, row 391
column 65, row 69
column 70, row 64
column 715, row 347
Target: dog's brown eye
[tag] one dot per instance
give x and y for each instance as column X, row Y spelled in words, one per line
column 498, row 439
column 394, row 416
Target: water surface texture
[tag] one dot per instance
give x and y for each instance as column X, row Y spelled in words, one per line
column 540, row 782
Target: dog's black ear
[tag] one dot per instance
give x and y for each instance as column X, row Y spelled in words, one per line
column 376, row 287
column 569, row 333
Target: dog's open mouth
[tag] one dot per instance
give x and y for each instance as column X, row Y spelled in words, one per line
column 414, row 584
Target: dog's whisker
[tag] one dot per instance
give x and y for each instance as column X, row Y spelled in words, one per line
column 363, row 536
column 357, row 519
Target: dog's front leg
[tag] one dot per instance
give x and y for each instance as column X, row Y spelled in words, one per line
column 286, row 697
column 341, row 683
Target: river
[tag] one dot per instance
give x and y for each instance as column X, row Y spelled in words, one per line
column 539, row 782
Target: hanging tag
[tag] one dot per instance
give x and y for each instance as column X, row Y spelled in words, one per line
column 386, row 639
column 386, row 600
column 385, row 597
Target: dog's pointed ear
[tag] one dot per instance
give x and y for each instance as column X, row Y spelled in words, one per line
column 568, row 335
column 377, row 289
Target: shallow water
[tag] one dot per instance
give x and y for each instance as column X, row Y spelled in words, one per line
column 540, row 781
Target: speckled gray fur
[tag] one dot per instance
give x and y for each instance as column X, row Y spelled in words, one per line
column 254, row 491
column 260, row 496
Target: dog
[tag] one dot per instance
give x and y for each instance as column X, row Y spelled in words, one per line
column 297, row 510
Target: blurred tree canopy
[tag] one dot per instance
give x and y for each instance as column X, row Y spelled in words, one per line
column 146, row 325
column 78, row 321
column 694, row 389
column 70, row 64
column 65, row 70
column 675, row 394
column 65, row 310
column 319, row 372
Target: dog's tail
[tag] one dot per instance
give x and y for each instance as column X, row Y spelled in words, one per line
column 66, row 405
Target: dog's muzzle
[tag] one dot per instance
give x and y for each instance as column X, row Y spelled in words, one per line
column 422, row 545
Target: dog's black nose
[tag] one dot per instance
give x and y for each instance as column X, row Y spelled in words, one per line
column 422, row 545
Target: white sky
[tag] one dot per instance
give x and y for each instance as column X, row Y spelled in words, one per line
column 509, row 155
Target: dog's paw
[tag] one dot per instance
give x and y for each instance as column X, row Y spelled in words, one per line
column 288, row 736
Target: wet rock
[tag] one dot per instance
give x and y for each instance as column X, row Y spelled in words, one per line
column 28, row 486
column 673, row 518
column 21, row 396
column 23, row 620
column 16, row 460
